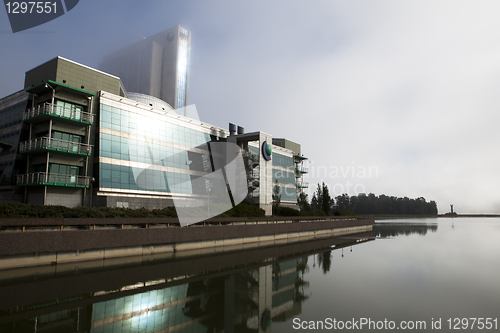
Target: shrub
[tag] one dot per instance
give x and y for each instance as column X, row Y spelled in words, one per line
column 164, row 212
column 20, row 210
column 287, row 211
column 339, row 212
column 244, row 210
column 312, row 213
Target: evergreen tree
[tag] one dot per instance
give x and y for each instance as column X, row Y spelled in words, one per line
column 383, row 204
column 319, row 196
column 314, row 202
column 325, row 199
column 303, row 202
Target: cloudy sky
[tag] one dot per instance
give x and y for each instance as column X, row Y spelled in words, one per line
column 385, row 97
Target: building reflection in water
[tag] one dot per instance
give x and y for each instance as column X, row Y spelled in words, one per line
column 241, row 302
column 246, row 297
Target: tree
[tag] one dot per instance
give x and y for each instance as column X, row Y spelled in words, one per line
column 432, row 208
column 276, row 196
column 314, row 202
column 353, row 203
column 325, row 199
column 343, row 202
column 321, row 199
column 325, row 261
column 383, row 204
column 319, row 196
column 303, row 202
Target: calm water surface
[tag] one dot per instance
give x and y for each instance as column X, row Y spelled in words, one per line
column 418, row 273
column 448, row 270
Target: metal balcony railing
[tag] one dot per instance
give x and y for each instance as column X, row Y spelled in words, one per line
column 301, row 169
column 59, row 111
column 42, row 178
column 55, row 144
column 302, row 184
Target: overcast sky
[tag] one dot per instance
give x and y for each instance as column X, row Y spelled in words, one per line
column 403, row 93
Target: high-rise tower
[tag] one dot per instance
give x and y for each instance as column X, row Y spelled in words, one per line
column 156, row 66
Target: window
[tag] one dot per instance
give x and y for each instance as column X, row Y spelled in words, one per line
column 68, row 110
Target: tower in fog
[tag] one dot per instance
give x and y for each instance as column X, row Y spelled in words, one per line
column 156, row 66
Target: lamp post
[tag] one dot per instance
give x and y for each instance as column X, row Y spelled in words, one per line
column 53, row 97
column 92, row 180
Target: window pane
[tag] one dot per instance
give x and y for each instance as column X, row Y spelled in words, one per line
column 54, row 168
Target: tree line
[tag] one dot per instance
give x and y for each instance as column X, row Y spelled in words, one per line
column 365, row 204
column 383, row 204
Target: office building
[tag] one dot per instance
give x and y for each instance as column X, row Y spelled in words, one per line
column 74, row 132
column 157, row 66
column 298, row 160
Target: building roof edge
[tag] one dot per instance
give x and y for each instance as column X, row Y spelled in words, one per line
column 74, row 62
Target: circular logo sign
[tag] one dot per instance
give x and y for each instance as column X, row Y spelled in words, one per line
column 170, row 36
column 266, row 151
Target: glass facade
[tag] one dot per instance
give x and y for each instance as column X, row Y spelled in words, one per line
column 182, row 68
column 11, row 111
column 152, row 148
column 282, row 161
column 284, row 172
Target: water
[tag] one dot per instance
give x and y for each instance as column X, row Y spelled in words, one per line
column 426, row 274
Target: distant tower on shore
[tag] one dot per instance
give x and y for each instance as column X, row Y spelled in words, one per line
column 451, row 208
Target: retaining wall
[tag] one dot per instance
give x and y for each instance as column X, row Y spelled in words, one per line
column 62, row 245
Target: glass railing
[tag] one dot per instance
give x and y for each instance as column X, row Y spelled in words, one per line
column 59, row 111
column 43, row 178
column 55, row 144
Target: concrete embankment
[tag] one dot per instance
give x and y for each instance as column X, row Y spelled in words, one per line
column 103, row 280
column 31, row 242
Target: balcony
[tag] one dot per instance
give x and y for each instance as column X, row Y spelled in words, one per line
column 302, row 184
column 301, row 170
column 299, row 158
column 58, row 111
column 46, row 143
column 42, row 178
